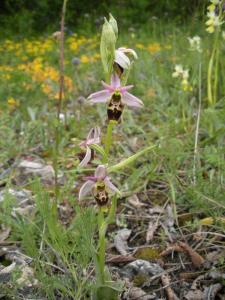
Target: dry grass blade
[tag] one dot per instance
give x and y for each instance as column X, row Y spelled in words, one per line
column 119, row 258
column 196, row 259
column 4, row 234
column 171, row 249
column 152, row 227
column 166, row 281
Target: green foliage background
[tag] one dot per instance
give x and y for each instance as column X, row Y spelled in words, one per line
column 38, row 15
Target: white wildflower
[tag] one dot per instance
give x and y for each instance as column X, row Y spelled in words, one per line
column 195, row 43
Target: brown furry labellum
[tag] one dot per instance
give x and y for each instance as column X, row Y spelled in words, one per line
column 100, row 194
column 115, row 108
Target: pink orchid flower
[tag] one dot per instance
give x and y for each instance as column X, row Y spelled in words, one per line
column 122, row 59
column 115, row 89
column 93, row 137
column 99, row 185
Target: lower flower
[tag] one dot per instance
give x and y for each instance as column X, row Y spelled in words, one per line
column 99, row 185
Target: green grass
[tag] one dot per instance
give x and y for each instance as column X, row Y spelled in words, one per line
column 168, row 120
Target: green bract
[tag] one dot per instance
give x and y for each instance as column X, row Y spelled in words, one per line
column 107, row 46
column 113, row 23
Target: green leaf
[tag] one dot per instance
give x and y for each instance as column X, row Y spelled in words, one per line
column 129, row 160
column 100, row 150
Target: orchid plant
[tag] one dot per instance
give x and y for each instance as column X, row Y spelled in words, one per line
column 116, row 96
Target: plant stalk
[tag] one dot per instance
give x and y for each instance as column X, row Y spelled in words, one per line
column 59, row 105
column 212, row 82
column 101, row 246
column 198, row 123
column 108, row 140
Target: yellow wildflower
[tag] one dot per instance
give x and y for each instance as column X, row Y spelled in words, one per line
column 46, row 88
column 154, row 48
column 151, row 92
column 84, row 59
column 140, row 46
column 74, row 46
column 96, row 57
column 6, row 76
column 13, row 103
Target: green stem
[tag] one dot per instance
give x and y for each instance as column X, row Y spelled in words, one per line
column 102, row 226
column 108, row 140
column 212, row 94
column 209, row 86
column 183, row 114
column 216, row 74
column 217, row 52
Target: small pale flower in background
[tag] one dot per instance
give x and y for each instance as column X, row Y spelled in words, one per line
column 93, row 137
column 178, row 71
column 116, row 96
column 183, row 74
column 57, row 35
column 184, row 82
column 195, row 43
column 99, row 185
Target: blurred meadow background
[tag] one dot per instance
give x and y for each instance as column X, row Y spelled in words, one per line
column 173, row 76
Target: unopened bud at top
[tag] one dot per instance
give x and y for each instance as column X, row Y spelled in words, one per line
column 113, row 23
column 107, row 46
